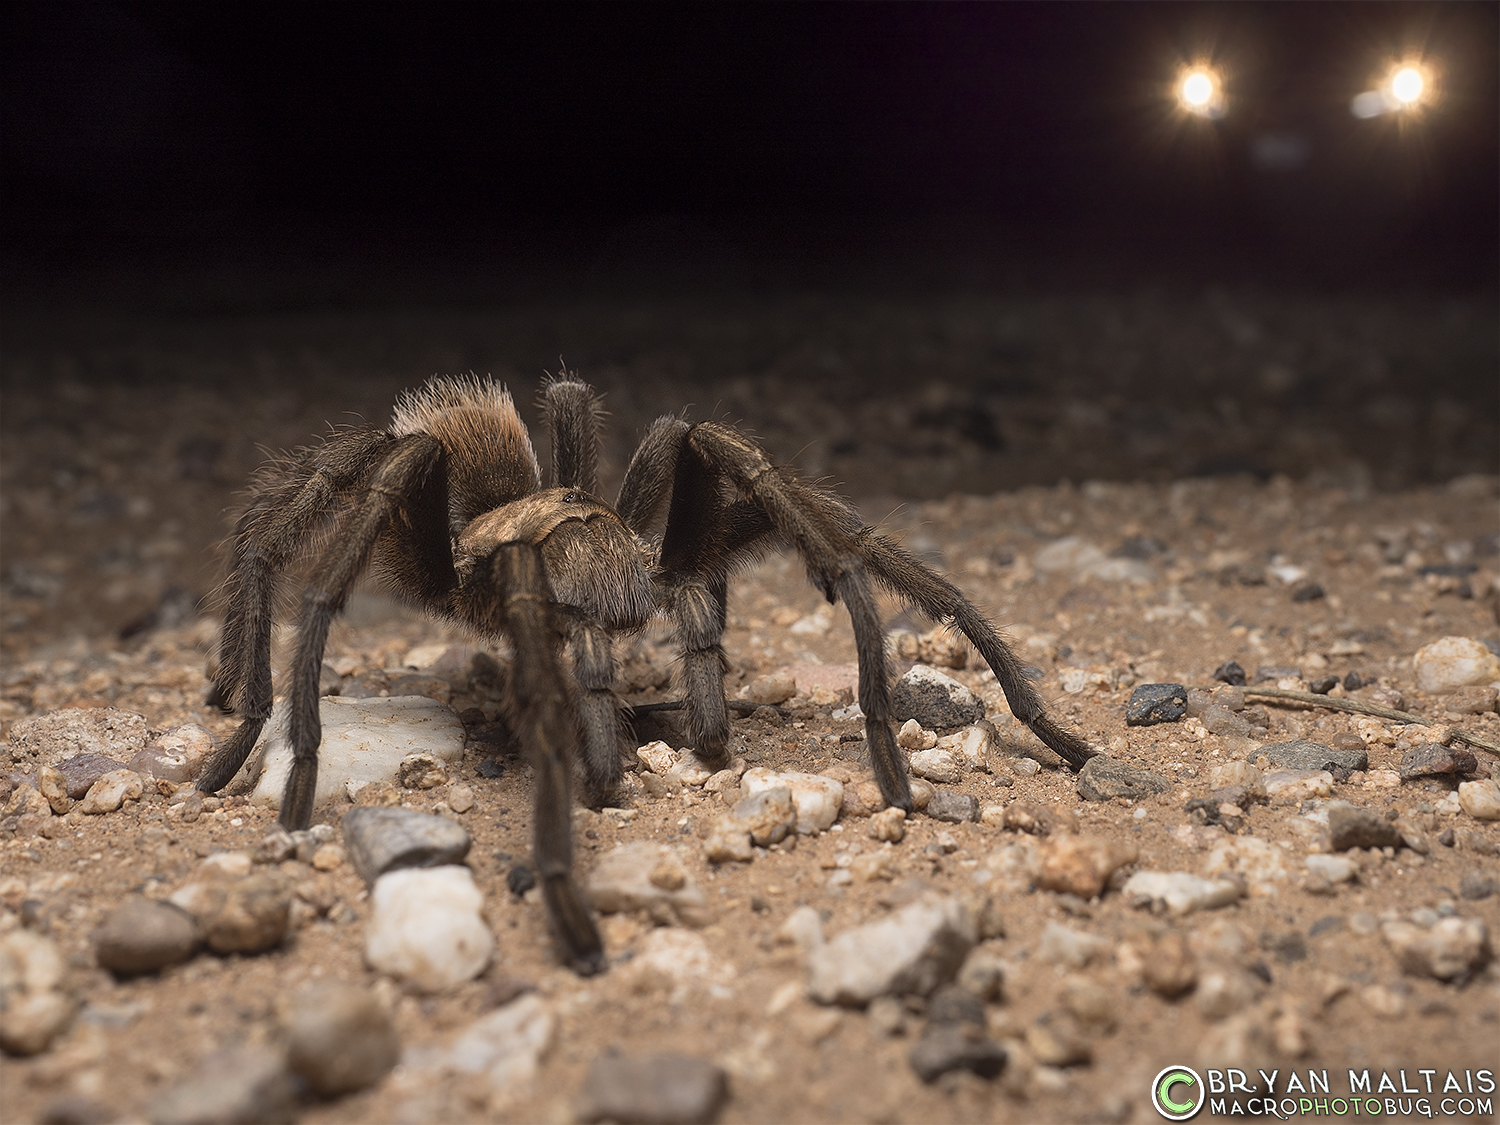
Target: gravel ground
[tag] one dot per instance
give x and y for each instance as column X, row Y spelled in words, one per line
column 1369, row 533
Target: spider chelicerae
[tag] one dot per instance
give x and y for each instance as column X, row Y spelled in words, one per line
column 447, row 506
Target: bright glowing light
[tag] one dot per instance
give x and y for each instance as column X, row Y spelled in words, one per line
column 1197, row 89
column 1200, row 92
column 1407, row 85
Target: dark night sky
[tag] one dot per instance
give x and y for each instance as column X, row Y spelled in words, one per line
column 205, row 128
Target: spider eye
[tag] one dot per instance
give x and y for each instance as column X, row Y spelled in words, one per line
column 570, row 498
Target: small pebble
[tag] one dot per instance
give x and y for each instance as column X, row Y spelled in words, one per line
column 669, row 1089
column 379, row 839
column 953, row 807
column 1103, row 779
column 241, row 916
column 35, row 1005
column 1152, row 704
column 339, row 1038
column 142, row 936
column 1080, row 865
column 236, row 1084
column 935, row 701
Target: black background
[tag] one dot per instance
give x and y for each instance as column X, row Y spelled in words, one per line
column 764, row 143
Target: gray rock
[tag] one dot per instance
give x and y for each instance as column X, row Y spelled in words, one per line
column 1300, row 754
column 51, row 737
column 142, row 936
column 1223, row 721
column 952, row 807
column 648, row 1089
column 945, row 1047
column 914, row 950
column 82, row 770
column 1434, row 759
column 247, row 915
column 1474, row 886
column 381, row 839
column 235, row 1086
column 1151, row 704
column 1352, row 827
column 936, row 701
column 649, row 877
column 1103, row 778
column 339, row 1038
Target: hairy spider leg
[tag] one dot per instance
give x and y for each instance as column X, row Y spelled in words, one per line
column 291, row 500
column 821, row 528
column 397, row 486
column 648, row 478
column 600, row 713
column 539, row 702
column 906, row 576
column 573, row 414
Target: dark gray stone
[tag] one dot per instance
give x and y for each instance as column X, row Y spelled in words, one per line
column 1352, row 827
column 1300, row 754
column 647, row 1089
column 1323, row 685
column 953, row 1004
column 944, row 1047
column 953, row 807
column 381, row 839
column 1230, row 673
column 1103, row 778
column 142, row 936
column 936, row 701
column 1434, row 759
column 1151, row 704
column 1308, row 592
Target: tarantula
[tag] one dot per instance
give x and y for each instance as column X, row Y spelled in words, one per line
column 448, row 507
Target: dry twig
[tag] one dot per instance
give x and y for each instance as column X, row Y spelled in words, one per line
column 1359, row 706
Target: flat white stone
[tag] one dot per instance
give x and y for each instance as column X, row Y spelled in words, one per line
column 1334, row 868
column 364, row 740
column 1480, row 799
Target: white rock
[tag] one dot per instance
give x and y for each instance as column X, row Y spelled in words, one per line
column 425, row 927
column 817, row 798
column 34, row 1005
column 1238, row 773
column 1454, row 662
column 1451, row 948
column 1062, row 945
column 971, row 746
column 911, row 736
column 804, row 929
column 1260, row 862
column 1292, row 787
column 691, row 769
column 1480, row 799
column 935, row 765
column 677, row 962
column 1334, row 868
column 916, row 950
column 507, row 1044
column 657, row 757
column 649, row 877
column 1179, row 892
column 1070, row 555
column 111, row 791
column 364, row 740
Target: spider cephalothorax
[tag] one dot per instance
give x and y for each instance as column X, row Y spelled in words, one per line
column 447, row 505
